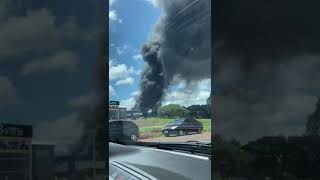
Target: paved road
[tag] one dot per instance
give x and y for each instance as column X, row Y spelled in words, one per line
column 206, row 136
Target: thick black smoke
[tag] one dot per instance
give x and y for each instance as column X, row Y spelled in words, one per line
column 94, row 115
column 266, row 58
column 152, row 81
column 179, row 46
column 313, row 123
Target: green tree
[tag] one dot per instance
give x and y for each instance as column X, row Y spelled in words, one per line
column 200, row 111
column 230, row 159
column 173, row 111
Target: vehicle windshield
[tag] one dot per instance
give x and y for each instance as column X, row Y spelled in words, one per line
column 177, row 122
column 160, row 70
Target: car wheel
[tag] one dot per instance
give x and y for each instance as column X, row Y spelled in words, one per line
column 133, row 137
column 181, row 132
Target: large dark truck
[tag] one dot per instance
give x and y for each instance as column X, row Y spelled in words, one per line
column 121, row 129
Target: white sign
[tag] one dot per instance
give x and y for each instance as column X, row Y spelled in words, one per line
column 113, row 107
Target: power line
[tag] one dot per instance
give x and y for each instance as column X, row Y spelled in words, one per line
column 186, row 8
column 181, row 11
column 189, row 20
column 193, row 21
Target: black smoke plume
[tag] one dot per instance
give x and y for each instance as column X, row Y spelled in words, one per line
column 94, row 115
column 266, row 66
column 152, row 81
column 179, row 46
column 313, row 123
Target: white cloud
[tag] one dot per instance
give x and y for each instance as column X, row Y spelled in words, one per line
column 111, row 2
column 112, row 92
column 137, row 57
column 155, row 3
column 205, row 85
column 128, row 103
column 63, row 60
column 113, row 16
column 128, row 80
column 35, row 32
column 119, row 71
column 8, row 93
column 122, row 49
column 86, row 100
column 63, row 131
column 188, row 94
column 37, row 26
column 135, row 93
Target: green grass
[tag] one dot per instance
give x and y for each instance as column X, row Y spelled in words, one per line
column 153, row 126
column 150, row 129
column 206, row 128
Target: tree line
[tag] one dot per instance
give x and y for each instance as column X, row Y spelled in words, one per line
column 175, row 110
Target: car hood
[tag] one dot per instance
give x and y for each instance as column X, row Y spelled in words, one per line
column 169, row 126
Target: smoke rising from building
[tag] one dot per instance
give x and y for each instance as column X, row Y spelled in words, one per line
column 179, row 46
column 266, row 66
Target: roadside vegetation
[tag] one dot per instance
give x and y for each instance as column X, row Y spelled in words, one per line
column 151, row 127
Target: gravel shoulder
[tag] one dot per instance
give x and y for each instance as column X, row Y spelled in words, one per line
column 205, row 136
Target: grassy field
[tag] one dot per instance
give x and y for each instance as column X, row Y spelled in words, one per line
column 152, row 127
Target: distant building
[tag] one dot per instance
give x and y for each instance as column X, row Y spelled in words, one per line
column 42, row 161
column 21, row 157
column 122, row 113
column 209, row 100
column 114, row 110
column 134, row 114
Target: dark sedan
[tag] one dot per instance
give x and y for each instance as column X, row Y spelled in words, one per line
column 182, row 127
column 123, row 130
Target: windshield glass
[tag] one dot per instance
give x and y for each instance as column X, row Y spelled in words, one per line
column 177, row 122
column 160, row 70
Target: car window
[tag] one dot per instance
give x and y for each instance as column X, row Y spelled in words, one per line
column 178, row 122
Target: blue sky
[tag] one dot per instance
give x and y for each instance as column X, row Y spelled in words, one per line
column 130, row 24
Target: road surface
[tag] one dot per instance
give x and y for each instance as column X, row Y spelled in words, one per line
column 206, row 136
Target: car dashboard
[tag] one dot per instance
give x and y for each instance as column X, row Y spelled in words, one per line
column 146, row 163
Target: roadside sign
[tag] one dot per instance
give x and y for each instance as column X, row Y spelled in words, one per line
column 116, row 103
column 113, row 107
column 13, row 130
column 15, row 138
column 15, row 145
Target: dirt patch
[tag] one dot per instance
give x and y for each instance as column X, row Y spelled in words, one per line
column 206, row 136
column 150, row 134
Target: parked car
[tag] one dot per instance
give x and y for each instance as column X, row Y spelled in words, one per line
column 123, row 130
column 183, row 126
